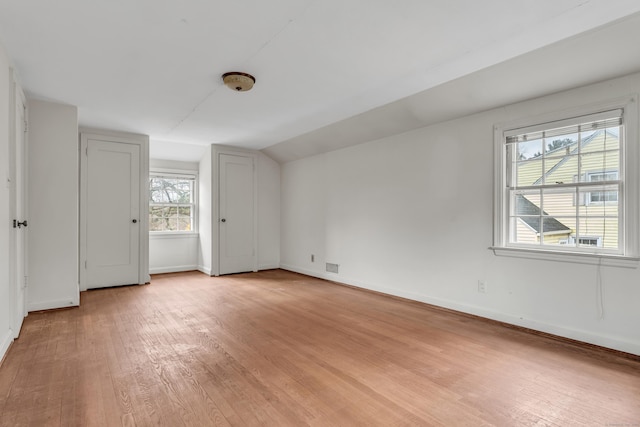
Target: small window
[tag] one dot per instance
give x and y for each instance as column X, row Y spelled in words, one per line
column 595, row 197
column 172, row 202
column 590, row 241
column 566, row 185
column 583, row 241
column 603, row 196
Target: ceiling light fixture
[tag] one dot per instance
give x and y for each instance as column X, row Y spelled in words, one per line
column 239, row 82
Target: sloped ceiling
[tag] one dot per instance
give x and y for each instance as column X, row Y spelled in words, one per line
column 329, row 73
column 588, row 58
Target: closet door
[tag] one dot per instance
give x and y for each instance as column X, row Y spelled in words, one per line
column 17, row 209
column 111, row 213
column 237, row 229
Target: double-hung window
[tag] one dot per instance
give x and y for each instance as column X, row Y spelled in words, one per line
column 172, row 202
column 568, row 185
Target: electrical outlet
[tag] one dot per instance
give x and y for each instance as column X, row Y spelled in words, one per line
column 482, row 287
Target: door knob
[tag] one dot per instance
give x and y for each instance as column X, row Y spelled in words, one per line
column 223, row 220
column 134, row 221
column 19, row 224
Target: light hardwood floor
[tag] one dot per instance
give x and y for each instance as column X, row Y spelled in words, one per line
column 281, row 349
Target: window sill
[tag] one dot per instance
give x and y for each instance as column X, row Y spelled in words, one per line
column 579, row 258
column 173, row 234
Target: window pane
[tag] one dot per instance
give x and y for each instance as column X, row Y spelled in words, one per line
column 529, row 149
column 561, row 170
column 529, row 172
column 525, row 202
column 559, row 215
column 523, row 230
column 171, row 224
column 599, row 163
column 162, row 190
column 155, row 224
column 184, row 224
column 184, row 218
column 168, row 190
column 600, row 140
column 603, row 229
column 155, row 211
column 560, row 145
column 555, row 231
column 526, row 221
column 559, row 202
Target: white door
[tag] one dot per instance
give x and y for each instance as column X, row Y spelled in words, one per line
column 237, row 221
column 18, row 212
column 111, row 203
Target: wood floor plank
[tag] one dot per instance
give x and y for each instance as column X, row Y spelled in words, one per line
column 279, row 348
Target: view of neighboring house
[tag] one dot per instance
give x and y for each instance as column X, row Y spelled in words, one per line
column 560, row 212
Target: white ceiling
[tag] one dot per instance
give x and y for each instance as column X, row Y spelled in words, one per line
column 154, row 67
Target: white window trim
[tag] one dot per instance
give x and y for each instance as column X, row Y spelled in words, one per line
column 178, row 173
column 630, row 256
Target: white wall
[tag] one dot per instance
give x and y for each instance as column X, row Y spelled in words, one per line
column 412, row 215
column 268, row 213
column 6, row 335
column 170, row 253
column 53, row 206
column 173, row 252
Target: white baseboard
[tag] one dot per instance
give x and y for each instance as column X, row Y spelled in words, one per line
column 204, row 270
column 615, row 343
column 50, row 305
column 321, row 275
column 5, row 342
column 208, row 270
column 173, row 269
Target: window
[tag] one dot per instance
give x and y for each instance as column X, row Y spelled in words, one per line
column 590, row 241
column 603, row 196
column 567, row 184
column 172, row 202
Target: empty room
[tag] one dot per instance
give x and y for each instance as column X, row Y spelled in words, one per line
column 321, row 213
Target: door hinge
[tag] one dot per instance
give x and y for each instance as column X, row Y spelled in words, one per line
column 85, row 264
column 24, row 285
column 26, row 126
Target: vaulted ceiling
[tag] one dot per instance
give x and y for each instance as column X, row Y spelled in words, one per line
column 329, row 73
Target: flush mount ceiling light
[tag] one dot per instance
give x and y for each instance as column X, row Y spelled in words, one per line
column 239, row 82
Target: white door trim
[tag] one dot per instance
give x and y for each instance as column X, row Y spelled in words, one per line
column 125, row 138
column 17, row 284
